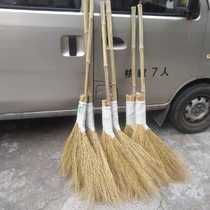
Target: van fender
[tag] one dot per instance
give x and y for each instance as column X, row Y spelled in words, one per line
column 160, row 116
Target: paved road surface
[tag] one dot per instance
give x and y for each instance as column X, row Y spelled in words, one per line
column 29, row 178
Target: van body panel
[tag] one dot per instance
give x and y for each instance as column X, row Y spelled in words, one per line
column 38, row 79
column 35, row 76
column 173, row 54
column 206, row 51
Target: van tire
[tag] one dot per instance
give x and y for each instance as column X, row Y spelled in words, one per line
column 188, row 108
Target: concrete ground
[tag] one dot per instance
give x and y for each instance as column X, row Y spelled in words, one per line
column 30, row 180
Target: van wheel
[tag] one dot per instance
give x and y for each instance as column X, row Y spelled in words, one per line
column 190, row 111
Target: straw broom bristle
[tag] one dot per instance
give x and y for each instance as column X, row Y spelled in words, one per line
column 129, row 130
column 148, row 181
column 173, row 164
column 95, row 187
column 81, row 166
column 125, row 175
column 108, row 188
column 153, row 144
column 141, row 137
column 108, row 191
column 153, row 169
column 90, row 170
column 159, row 177
column 69, row 162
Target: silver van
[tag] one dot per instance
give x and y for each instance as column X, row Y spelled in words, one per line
column 42, row 58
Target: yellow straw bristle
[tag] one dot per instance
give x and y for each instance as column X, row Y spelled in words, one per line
column 108, row 191
column 140, row 137
column 130, row 176
column 81, row 166
column 173, row 164
column 153, row 144
column 129, row 130
column 69, row 162
column 94, row 184
column 141, row 159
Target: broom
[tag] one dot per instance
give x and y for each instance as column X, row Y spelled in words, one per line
column 130, row 99
column 80, row 163
column 157, row 173
column 173, row 165
column 107, row 191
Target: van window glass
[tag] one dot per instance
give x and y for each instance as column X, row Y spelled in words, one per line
column 53, row 4
column 161, row 7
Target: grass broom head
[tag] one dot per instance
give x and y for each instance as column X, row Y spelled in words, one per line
column 140, row 136
column 69, row 161
column 144, row 164
column 107, row 190
column 79, row 162
column 125, row 175
column 153, row 144
column 173, row 163
column 130, row 115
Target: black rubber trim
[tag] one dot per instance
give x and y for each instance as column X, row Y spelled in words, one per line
column 207, row 1
column 39, row 8
column 175, row 14
column 72, row 45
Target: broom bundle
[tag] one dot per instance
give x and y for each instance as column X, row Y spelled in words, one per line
column 149, row 174
column 142, row 134
column 83, row 161
column 115, row 168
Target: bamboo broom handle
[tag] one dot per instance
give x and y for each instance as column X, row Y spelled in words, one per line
column 85, row 9
column 90, row 84
column 83, row 5
column 89, row 48
column 104, row 46
column 141, row 47
column 111, row 48
column 133, row 48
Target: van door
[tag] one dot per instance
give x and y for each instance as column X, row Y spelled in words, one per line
column 41, row 55
column 173, row 48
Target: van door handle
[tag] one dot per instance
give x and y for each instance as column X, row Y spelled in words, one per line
column 72, row 46
column 119, row 43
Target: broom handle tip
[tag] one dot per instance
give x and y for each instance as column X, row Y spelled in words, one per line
column 89, row 47
column 111, row 49
column 104, row 48
column 141, row 46
column 133, row 47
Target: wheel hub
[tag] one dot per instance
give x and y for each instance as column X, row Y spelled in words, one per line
column 197, row 109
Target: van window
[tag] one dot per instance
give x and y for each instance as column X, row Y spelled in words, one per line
column 153, row 7
column 42, row 4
